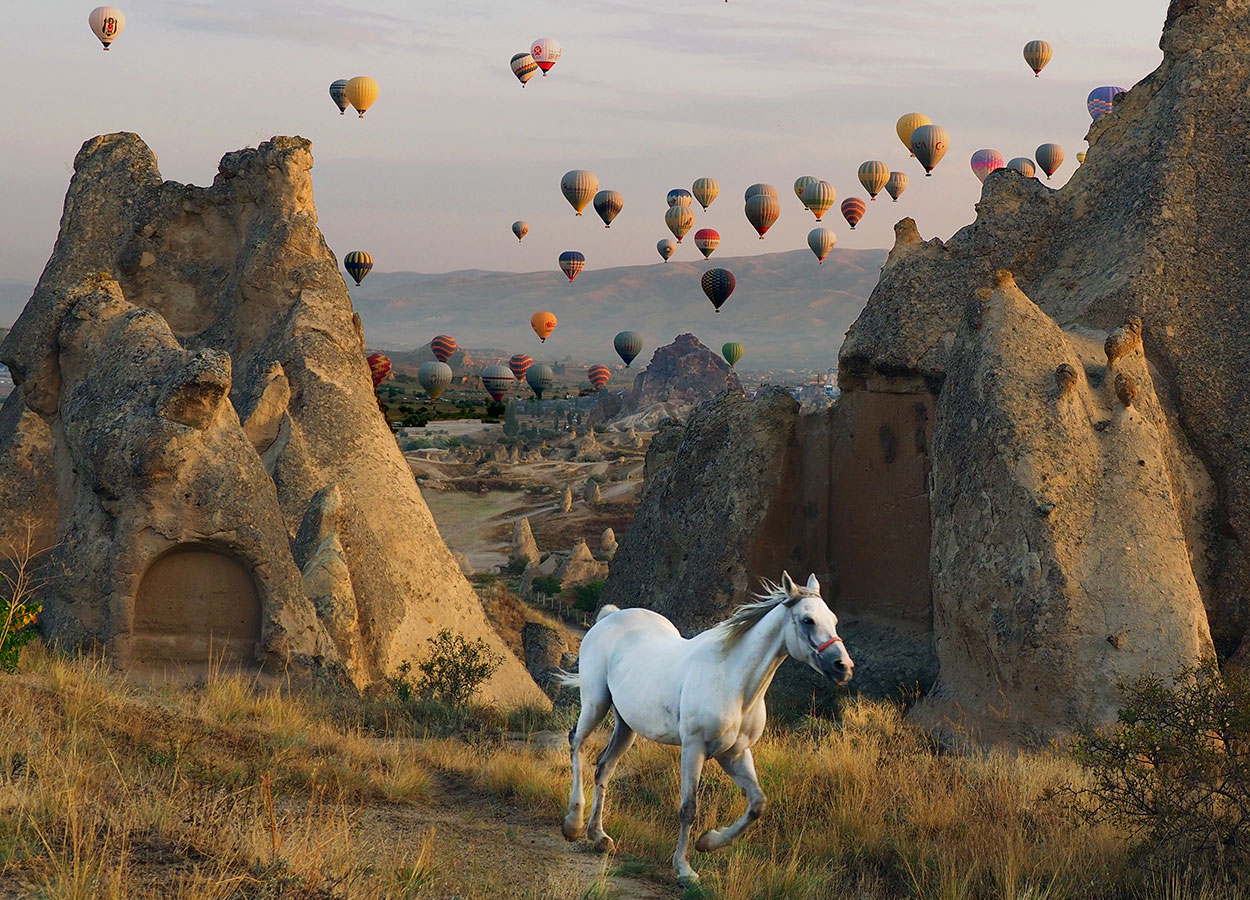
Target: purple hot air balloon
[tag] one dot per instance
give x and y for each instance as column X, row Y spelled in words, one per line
column 1101, row 100
column 986, row 161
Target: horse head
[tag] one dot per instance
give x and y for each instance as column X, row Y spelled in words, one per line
column 812, row 631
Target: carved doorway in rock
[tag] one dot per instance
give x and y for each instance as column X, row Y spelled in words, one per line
column 196, row 607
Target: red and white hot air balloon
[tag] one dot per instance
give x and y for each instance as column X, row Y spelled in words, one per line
column 546, row 52
column 707, row 240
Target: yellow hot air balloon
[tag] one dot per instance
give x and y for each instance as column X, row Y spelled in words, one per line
column 1080, row 158
column 579, row 188
column 705, row 190
column 679, row 219
column 361, row 91
column 819, row 196
column 543, row 324
column 873, row 175
column 907, row 124
column 1037, row 54
column 800, row 185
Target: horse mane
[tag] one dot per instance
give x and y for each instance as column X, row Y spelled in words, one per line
column 746, row 616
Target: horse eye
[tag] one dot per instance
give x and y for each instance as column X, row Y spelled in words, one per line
column 809, row 621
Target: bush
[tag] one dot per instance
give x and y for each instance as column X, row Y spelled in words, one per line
column 547, row 584
column 588, row 596
column 1175, row 769
column 19, row 606
column 453, row 671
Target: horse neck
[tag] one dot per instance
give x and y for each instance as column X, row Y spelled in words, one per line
column 753, row 661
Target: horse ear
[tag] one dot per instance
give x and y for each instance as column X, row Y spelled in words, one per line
column 812, row 583
column 791, row 589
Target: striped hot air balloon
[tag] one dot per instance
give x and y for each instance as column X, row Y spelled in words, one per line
column 543, row 324
column 540, row 378
column 906, row 126
column 379, row 367
column 679, row 219
column 599, row 376
column 666, row 248
column 443, row 346
column 985, row 162
column 358, row 263
column 718, row 284
column 1037, row 54
column 361, row 92
column 628, row 345
column 520, row 229
column 766, row 189
column 572, row 262
column 873, row 175
column 732, row 351
column 338, row 93
column 679, row 197
column 819, row 197
column 896, row 185
column 1101, row 100
column 821, row 240
column 520, row 364
column 608, row 204
column 435, row 377
column 1080, row 158
column 579, row 187
column 1024, row 166
column 546, row 53
column 498, row 381
column 762, row 211
column 1049, row 158
column 705, row 191
column 707, row 240
column 524, row 67
column 106, row 24
column 853, row 209
column 800, row 185
column 930, row 143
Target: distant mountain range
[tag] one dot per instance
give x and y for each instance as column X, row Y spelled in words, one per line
column 788, row 311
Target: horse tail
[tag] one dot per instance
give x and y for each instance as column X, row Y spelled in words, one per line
column 607, row 610
column 565, row 679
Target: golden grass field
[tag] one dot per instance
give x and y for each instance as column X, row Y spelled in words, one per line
column 227, row 789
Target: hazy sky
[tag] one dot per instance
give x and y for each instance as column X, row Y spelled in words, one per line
column 648, row 95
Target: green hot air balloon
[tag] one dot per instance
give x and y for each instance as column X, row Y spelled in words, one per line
column 732, row 353
column 540, row 378
column 358, row 263
column 435, row 377
column 628, row 345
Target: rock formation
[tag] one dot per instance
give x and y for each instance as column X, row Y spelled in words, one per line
column 195, row 426
column 680, row 376
column 524, row 547
column 545, row 648
column 607, row 543
column 580, row 567
column 591, row 493
column 566, row 500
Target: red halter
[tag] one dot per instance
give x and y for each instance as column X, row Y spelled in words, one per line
column 827, row 644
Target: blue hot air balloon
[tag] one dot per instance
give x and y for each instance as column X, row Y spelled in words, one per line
column 1101, row 100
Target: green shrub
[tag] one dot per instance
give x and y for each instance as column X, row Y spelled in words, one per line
column 547, row 584
column 587, row 596
column 19, row 605
column 453, row 670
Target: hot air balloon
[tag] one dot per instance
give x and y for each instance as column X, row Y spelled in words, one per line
column 608, row 205
column 498, row 381
column 896, row 185
column 853, row 209
column 762, row 211
column 628, row 345
column 906, row 126
column 705, row 191
column 338, row 93
column 598, row 376
column 443, row 346
column 821, row 240
column 873, row 175
column 819, row 197
column 766, row 189
column 546, row 52
column 732, row 352
column 1037, row 54
column 524, row 67
column 707, row 240
column 679, row 197
column 679, row 220
column 106, row 23
column 1080, row 158
column 520, row 229
column 578, row 187
column 358, row 263
column 929, row 143
column 543, row 324
column 540, row 378
column 1049, row 157
column 361, row 91
column 666, row 248
column 572, row 262
column 520, row 364
column 718, row 284
column 800, row 185
column 379, row 368
column 986, row 161
column 1101, row 101
column 1023, row 165
column 435, row 377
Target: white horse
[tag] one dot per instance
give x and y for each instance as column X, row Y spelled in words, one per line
column 705, row 695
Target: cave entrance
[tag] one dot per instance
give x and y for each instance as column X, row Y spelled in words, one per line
column 196, row 607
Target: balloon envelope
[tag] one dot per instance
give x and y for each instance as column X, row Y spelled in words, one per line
column 821, row 240
column 599, row 376
column 906, row 126
column 762, row 211
column 524, row 67
column 540, row 378
column 497, row 380
column 435, row 377
column 666, row 248
column 572, row 262
column 679, row 219
column 718, row 284
column 705, row 191
column 819, row 197
column 986, row 161
column 896, row 185
column 1037, row 54
column 628, row 345
column 707, row 240
column 358, row 263
column 873, row 175
column 361, row 92
column 106, row 24
column 732, row 352
column 853, row 209
column 443, row 346
column 520, row 364
column 546, row 52
column 679, row 197
column 1101, row 101
column 1049, row 158
column 1023, row 165
column 766, row 189
column 1080, row 158
column 379, row 367
column 578, row 187
column 338, row 93
column 608, row 204
column 543, row 324
column 800, row 185
column 930, row 143
column 520, row 229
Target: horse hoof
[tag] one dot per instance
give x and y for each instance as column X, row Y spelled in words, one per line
column 572, row 831
column 687, row 880
column 605, row 844
column 704, row 843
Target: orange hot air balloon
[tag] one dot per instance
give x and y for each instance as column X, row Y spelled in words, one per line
column 443, row 346
column 379, row 367
column 520, row 364
column 543, row 324
column 599, row 376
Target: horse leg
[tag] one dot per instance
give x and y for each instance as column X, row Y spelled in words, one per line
column 595, row 703
column 605, row 768
column 692, row 757
column 741, row 768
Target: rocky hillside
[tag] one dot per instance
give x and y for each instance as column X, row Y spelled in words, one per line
column 1039, row 464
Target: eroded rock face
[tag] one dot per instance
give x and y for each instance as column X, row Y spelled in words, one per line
column 679, row 376
column 200, row 378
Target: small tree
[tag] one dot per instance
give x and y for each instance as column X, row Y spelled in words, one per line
column 547, row 584
column 455, row 668
column 19, row 607
column 511, row 425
